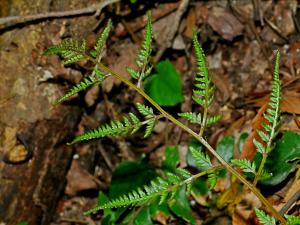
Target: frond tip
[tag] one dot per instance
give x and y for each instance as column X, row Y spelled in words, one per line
column 204, row 92
column 115, row 128
column 95, row 78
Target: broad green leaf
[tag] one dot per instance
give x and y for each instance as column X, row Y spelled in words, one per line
column 130, row 175
column 283, row 159
column 165, row 86
column 200, row 187
column 225, row 148
column 171, row 158
column 181, row 206
column 144, row 217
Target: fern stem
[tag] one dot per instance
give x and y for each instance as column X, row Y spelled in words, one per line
column 203, row 123
column 195, row 135
column 260, row 169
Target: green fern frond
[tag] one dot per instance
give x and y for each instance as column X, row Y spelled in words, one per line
column 102, row 39
column 95, row 78
column 148, row 114
column 162, row 188
column 211, row 120
column 272, row 114
column 245, row 165
column 292, row 220
column 115, row 128
column 202, row 160
column 193, row 117
column 212, row 180
column 204, row 92
column 264, row 218
column 143, row 54
column 71, row 50
column 146, row 111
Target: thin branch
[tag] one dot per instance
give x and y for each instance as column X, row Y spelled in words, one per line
column 9, row 21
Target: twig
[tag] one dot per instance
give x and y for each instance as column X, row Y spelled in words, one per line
column 10, row 21
column 290, row 202
column 172, row 29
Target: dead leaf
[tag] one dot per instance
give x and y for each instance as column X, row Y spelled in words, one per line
column 249, row 149
column 190, row 23
column 238, row 219
column 224, row 23
column 78, row 180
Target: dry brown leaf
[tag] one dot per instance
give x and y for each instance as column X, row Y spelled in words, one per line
column 238, row 219
column 292, row 190
column 224, row 23
column 190, row 23
column 78, row 180
column 249, row 150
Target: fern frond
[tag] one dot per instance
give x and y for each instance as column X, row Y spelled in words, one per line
column 264, row 218
column 71, row 50
column 95, row 78
column 143, row 54
column 212, row 180
column 163, row 188
column 245, row 165
column 211, row 120
column 102, row 39
column 204, row 92
column 146, row 111
column 148, row 114
column 202, row 160
column 292, row 220
column 192, row 117
column 115, row 128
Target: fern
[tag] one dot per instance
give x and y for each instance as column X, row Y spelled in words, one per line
column 97, row 77
column 264, row 218
column 143, row 55
column 147, row 112
column 245, row 165
column 101, row 40
column 162, row 188
column 202, row 160
column 70, row 50
column 204, row 92
column 292, row 220
column 115, row 128
column 272, row 116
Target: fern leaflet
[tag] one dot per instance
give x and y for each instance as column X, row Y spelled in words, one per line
column 143, row 55
column 162, row 188
column 71, row 50
column 272, row 115
column 202, row 160
column 204, row 92
column 115, row 128
column 95, row 78
column 264, row 218
column 292, row 220
column 245, row 165
column 192, row 117
column 148, row 114
column 101, row 40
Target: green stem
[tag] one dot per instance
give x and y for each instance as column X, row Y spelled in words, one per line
column 198, row 137
column 260, row 169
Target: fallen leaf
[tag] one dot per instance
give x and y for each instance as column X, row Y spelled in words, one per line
column 224, row 23
column 78, row 180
